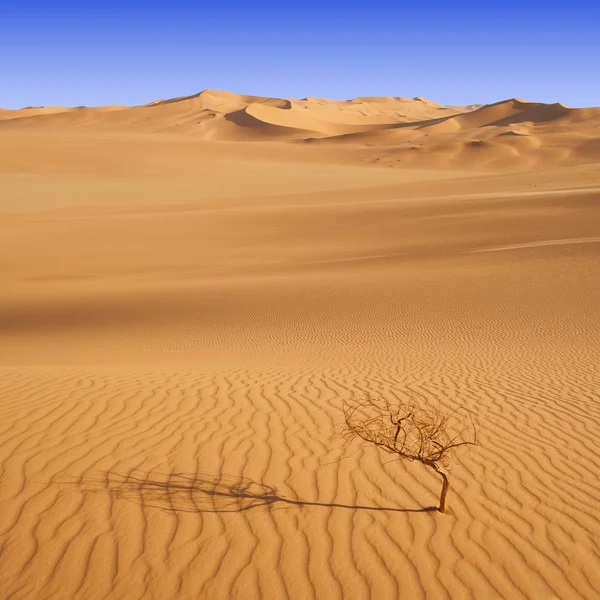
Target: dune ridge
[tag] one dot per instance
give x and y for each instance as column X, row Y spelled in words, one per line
column 387, row 131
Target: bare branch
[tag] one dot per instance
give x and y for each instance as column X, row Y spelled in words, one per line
column 410, row 431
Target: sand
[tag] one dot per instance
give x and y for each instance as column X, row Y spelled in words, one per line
column 190, row 290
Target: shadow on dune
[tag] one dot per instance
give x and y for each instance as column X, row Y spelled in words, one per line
column 204, row 493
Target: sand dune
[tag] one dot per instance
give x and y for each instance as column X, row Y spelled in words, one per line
column 415, row 132
column 191, row 289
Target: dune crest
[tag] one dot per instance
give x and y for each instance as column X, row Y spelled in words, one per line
column 413, row 132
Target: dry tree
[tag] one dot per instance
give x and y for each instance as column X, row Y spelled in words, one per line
column 411, row 431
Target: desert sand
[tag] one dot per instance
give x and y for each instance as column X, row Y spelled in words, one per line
column 190, row 289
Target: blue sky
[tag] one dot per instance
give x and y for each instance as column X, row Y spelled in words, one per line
column 93, row 53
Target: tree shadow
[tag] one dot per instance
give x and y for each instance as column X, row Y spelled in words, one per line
column 205, row 493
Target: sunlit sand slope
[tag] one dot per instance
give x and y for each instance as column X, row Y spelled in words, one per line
column 181, row 320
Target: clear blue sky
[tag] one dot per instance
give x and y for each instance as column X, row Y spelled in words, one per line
column 110, row 52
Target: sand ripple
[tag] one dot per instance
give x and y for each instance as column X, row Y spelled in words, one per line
column 232, row 483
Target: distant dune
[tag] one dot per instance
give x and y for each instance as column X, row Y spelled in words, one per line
column 416, row 132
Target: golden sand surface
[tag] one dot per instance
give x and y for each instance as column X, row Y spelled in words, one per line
column 189, row 290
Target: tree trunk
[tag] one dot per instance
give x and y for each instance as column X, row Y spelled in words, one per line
column 445, row 486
